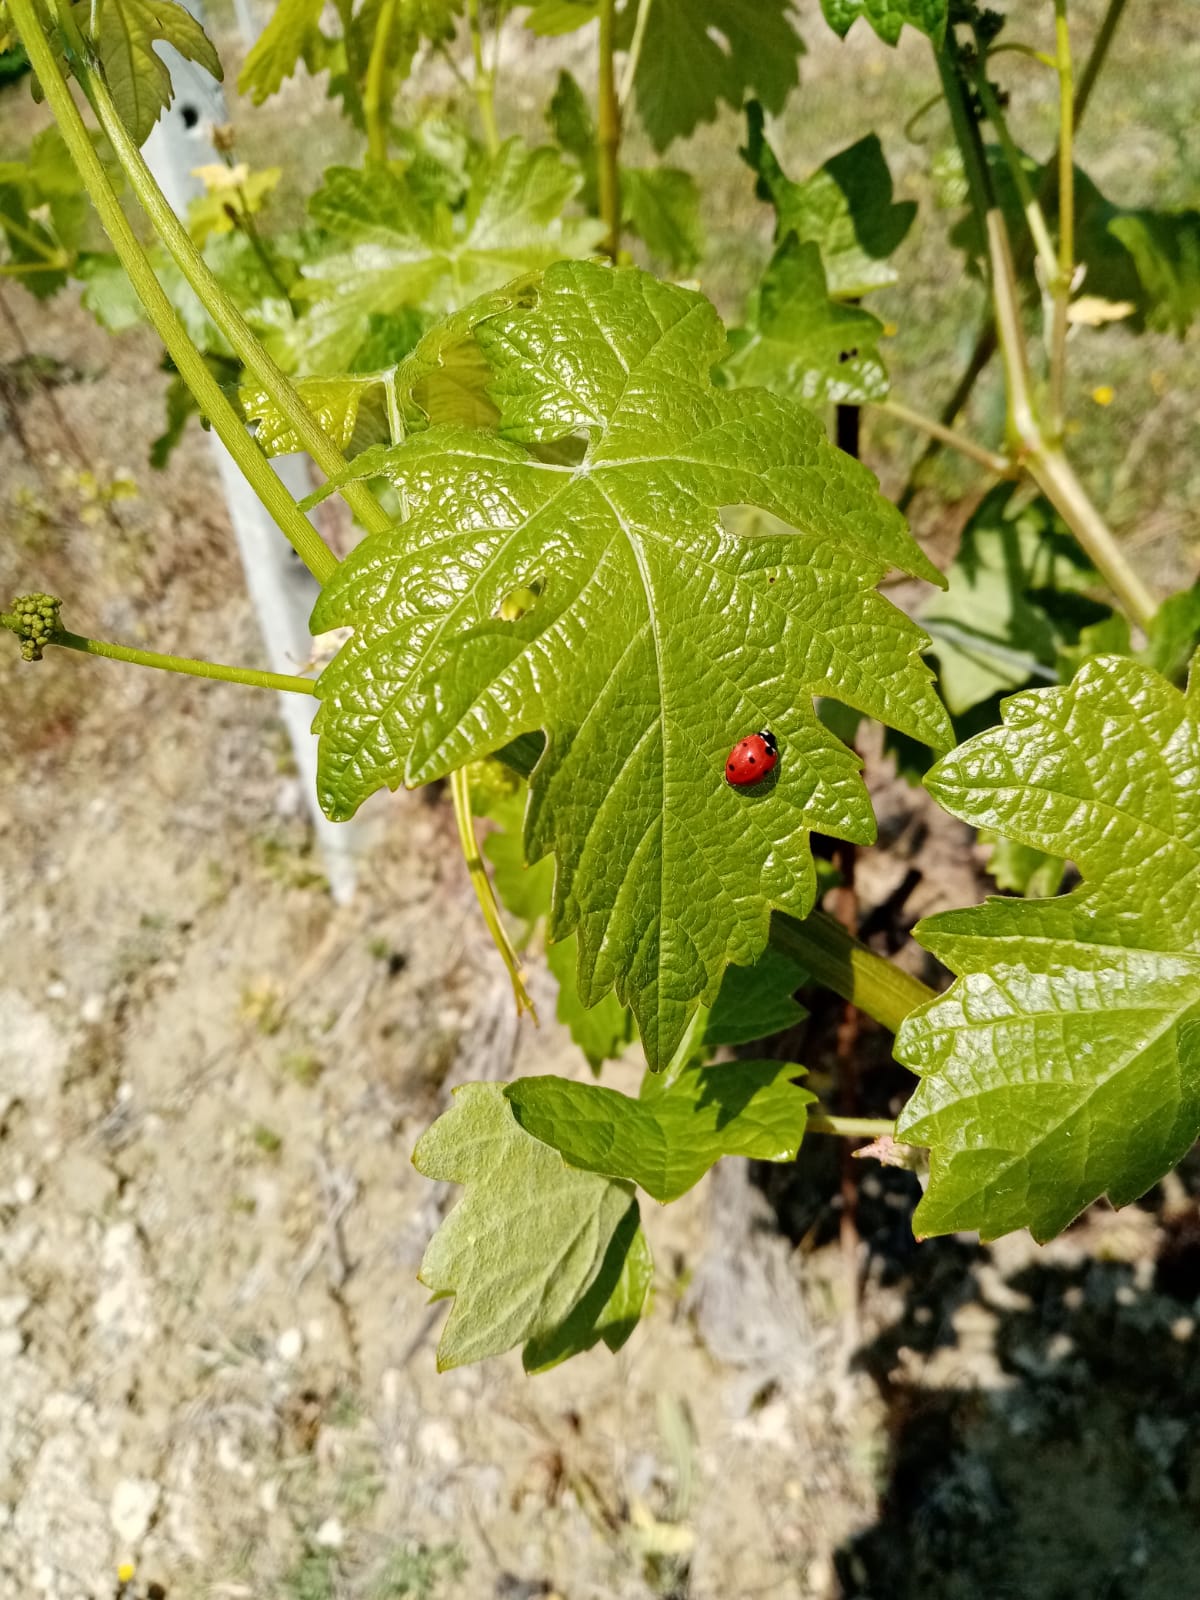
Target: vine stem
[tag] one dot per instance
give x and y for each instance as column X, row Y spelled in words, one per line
column 167, row 663
column 635, row 51
column 1066, row 219
column 192, row 368
column 1047, row 465
column 199, row 276
column 483, row 81
column 373, row 95
column 994, row 462
column 460, row 790
column 608, row 132
column 837, row 960
column 1034, row 215
column 850, row 1127
column 985, row 343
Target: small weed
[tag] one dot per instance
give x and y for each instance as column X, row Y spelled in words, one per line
column 266, row 1139
column 418, row 1571
column 311, row 1578
column 262, row 1005
column 303, row 1067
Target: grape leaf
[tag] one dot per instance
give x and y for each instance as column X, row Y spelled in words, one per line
column 1013, row 602
column 550, row 17
column 659, row 636
column 1165, row 247
column 756, row 1001
column 697, row 54
column 530, row 1243
column 1065, row 1061
column 666, row 1141
column 1021, row 868
column 137, row 76
column 888, row 17
column 279, row 48
column 799, row 342
column 397, row 248
column 603, row 1031
column 845, row 207
column 662, row 206
column 351, row 408
column 1174, row 633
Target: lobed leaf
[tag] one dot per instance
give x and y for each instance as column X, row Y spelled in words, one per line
column 350, row 408
column 288, row 37
column 534, row 1253
column 845, row 208
column 1064, row 1063
column 659, row 635
column 800, row 343
column 888, row 17
column 699, row 54
column 666, row 1141
column 137, row 77
column 397, row 246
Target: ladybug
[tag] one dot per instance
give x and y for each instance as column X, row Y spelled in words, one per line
column 751, row 759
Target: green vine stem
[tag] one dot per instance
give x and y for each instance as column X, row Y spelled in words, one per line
column 483, row 81
column 1034, row 215
column 839, row 961
column 608, row 131
column 1066, row 220
column 1042, row 458
column 985, row 343
column 199, row 276
column 250, row 676
column 850, row 1127
column 192, row 368
column 1047, row 465
column 460, row 790
column 635, row 51
column 990, row 459
column 374, row 95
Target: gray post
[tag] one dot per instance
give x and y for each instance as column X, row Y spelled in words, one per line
column 282, row 590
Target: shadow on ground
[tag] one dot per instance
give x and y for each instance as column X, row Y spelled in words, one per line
column 1041, row 1422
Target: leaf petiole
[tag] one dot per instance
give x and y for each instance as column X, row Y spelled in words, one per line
column 460, row 790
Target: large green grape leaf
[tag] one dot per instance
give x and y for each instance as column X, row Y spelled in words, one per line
column 846, row 208
column 395, row 247
column 658, row 635
column 1064, row 1063
column 668, row 1139
column 128, row 32
column 281, row 46
column 535, row 1252
column 698, row 54
column 1015, row 599
column 888, row 17
column 799, row 342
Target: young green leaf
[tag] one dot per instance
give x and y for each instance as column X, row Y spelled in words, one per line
column 1020, row 868
column 1015, row 599
column 137, row 77
column 1165, row 246
column 888, row 17
column 666, row 1141
column 534, row 1251
column 799, row 342
column 548, row 18
column 280, row 47
column 662, row 206
column 603, row 1031
column 659, row 636
column 350, row 408
column 846, row 208
column 1174, row 633
column 697, row 54
column 396, row 247
column 756, row 1001
column 1064, row 1063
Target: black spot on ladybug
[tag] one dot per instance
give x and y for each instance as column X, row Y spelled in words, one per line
column 848, row 355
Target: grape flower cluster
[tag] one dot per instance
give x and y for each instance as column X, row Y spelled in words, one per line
column 35, row 619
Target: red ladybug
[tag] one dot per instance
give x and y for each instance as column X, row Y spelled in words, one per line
column 751, row 759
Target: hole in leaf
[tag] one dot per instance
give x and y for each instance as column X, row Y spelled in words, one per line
column 518, row 603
